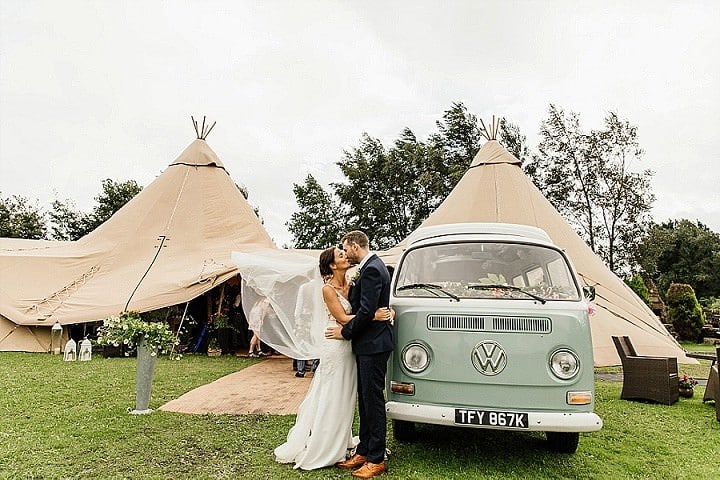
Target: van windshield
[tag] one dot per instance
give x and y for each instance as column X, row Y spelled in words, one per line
column 496, row 270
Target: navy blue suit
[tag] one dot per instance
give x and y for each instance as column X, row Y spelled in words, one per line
column 372, row 343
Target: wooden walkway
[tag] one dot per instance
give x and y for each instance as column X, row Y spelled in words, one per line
column 269, row 386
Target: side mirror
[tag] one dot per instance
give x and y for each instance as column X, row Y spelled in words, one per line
column 589, row 292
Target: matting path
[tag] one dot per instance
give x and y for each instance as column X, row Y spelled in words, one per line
column 269, row 386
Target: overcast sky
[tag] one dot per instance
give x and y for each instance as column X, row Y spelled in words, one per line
column 91, row 90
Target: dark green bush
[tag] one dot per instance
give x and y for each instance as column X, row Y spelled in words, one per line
column 637, row 284
column 684, row 312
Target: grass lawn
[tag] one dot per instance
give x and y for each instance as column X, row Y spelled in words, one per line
column 69, row 420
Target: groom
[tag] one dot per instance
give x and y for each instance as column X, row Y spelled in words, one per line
column 372, row 343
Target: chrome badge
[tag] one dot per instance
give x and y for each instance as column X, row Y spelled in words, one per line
column 488, row 358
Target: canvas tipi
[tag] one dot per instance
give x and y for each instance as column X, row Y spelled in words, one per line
column 169, row 244
column 495, row 189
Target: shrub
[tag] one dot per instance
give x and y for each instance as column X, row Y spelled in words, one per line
column 637, row 284
column 684, row 312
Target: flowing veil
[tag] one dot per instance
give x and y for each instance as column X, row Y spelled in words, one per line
column 282, row 299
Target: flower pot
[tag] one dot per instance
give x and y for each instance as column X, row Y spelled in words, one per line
column 686, row 392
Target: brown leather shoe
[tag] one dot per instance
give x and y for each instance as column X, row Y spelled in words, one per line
column 370, row 470
column 353, row 462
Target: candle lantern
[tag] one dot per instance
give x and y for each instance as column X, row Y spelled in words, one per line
column 85, row 350
column 56, row 333
column 70, row 351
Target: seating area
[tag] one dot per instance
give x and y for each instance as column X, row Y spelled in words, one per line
column 647, row 378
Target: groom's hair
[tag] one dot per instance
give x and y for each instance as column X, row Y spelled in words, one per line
column 356, row 236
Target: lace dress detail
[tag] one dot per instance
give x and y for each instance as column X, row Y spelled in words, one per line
column 323, row 428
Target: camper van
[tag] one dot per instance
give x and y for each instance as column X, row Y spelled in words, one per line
column 491, row 331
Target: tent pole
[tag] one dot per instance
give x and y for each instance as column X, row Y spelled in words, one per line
column 177, row 334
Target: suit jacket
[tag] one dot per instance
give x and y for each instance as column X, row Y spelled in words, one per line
column 370, row 291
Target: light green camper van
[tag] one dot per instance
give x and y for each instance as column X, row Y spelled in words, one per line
column 492, row 331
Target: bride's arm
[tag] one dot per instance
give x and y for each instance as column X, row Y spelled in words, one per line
column 334, row 306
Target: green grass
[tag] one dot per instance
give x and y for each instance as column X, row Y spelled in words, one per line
column 69, row 420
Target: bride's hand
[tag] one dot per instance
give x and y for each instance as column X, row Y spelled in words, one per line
column 384, row 314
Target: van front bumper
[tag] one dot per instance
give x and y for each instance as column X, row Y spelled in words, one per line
column 537, row 421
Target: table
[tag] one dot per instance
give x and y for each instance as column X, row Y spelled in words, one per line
column 712, row 376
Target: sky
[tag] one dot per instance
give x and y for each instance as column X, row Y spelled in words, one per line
column 91, row 90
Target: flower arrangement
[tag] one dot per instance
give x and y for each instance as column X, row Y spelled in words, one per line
column 687, row 382
column 129, row 329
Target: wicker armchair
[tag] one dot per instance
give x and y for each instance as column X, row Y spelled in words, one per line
column 647, row 378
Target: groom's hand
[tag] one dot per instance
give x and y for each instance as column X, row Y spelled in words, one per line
column 334, row 333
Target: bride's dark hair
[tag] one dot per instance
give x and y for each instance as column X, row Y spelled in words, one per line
column 327, row 257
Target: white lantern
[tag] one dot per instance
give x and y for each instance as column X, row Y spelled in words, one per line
column 70, row 351
column 85, row 350
column 56, row 333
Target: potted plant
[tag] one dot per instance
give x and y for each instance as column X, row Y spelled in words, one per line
column 213, row 348
column 149, row 338
column 686, row 386
column 223, row 329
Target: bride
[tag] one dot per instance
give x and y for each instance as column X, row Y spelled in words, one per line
column 322, row 433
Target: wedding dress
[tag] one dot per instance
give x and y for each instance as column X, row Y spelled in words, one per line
column 323, row 429
column 282, row 295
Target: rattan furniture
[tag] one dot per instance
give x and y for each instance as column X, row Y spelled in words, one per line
column 647, row 378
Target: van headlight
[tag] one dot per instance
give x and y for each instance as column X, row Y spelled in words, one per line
column 415, row 357
column 564, row 364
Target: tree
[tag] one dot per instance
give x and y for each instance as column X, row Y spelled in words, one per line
column 637, row 284
column 388, row 192
column 454, row 146
column 21, row 219
column 681, row 251
column 319, row 223
column 587, row 177
column 113, row 197
column 684, row 312
column 67, row 223
column 514, row 141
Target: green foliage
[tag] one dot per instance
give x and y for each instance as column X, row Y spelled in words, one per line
column 387, row 192
column 684, row 312
column 319, row 223
column 21, row 219
column 67, row 223
column 588, row 177
column 681, row 251
column 129, row 329
column 67, row 420
column 637, row 284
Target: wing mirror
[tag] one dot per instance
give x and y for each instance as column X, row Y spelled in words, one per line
column 589, row 292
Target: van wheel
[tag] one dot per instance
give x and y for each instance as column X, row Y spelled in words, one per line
column 563, row 442
column 403, row 431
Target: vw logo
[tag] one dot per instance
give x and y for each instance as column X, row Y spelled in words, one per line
column 488, row 358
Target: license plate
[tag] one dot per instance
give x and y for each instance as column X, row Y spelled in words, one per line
column 491, row 418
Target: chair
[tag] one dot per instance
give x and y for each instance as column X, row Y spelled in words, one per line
column 647, row 378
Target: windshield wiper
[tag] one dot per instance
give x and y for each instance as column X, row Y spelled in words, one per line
column 430, row 287
column 485, row 286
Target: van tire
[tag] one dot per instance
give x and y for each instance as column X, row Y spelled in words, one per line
column 403, row 431
column 563, row 442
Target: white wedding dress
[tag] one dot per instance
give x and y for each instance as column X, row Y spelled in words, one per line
column 323, row 429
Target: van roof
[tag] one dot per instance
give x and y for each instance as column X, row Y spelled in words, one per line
column 504, row 231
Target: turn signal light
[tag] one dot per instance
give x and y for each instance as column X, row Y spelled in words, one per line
column 403, row 388
column 579, row 398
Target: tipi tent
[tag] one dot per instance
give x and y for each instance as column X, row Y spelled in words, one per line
column 495, row 189
column 169, row 244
